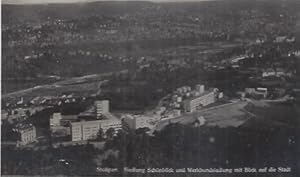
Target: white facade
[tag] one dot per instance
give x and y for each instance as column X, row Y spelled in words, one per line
column 85, row 130
column 221, row 95
column 55, row 119
column 200, row 88
column 76, row 131
column 140, row 121
column 192, row 104
column 27, row 134
column 90, row 130
column 106, row 124
column 102, row 107
column 257, row 91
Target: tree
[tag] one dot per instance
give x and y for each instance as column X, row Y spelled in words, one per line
column 110, row 133
column 100, row 135
column 111, row 161
column 27, row 113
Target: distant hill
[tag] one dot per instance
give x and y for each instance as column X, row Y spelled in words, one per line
column 219, row 15
column 12, row 13
column 73, row 1
column 40, row 12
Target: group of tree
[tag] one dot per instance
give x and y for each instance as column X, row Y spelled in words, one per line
column 108, row 135
column 70, row 160
column 181, row 146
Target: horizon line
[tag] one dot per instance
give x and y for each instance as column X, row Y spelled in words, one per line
column 36, row 2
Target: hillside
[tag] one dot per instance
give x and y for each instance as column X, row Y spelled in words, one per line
column 70, row 40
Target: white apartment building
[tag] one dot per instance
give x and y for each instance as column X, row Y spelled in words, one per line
column 192, row 104
column 85, row 130
column 140, row 121
column 110, row 122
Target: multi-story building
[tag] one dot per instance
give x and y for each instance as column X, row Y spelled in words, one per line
column 110, row 122
column 60, row 124
column 171, row 114
column 26, row 134
column 257, row 92
column 85, row 130
column 204, row 99
column 55, row 119
column 200, row 88
column 140, row 121
column 102, row 107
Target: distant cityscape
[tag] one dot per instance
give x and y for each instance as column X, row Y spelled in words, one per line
column 114, row 86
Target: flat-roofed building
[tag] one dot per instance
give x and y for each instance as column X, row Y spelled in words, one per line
column 60, row 124
column 193, row 103
column 140, row 121
column 263, row 92
column 102, row 107
column 55, row 119
column 76, row 131
column 85, row 130
column 26, row 134
column 200, row 88
column 110, row 122
column 90, row 130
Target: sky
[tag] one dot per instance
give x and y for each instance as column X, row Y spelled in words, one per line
column 70, row 1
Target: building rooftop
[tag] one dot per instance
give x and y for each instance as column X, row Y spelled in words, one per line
column 200, row 95
column 23, row 127
column 105, row 117
column 85, row 122
column 69, row 117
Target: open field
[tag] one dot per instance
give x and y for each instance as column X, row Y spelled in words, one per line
column 83, row 86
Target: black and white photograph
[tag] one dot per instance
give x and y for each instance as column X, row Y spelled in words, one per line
column 150, row 88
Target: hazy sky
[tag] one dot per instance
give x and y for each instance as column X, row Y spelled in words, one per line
column 70, row 1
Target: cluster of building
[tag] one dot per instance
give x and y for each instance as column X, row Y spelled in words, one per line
column 19, row 114
column 277, row 72
column 52, row 100
column 24, row 106
column 20, row 108
column 288, row 39
column 189, row 100
column 86, row 125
